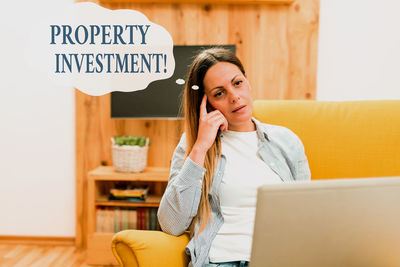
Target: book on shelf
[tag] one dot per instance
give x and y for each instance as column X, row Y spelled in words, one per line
column 124, row 223
column 115, row 219
column 99, row 219
column 140, row 217
column 147, row 218
column 132, row 199
column 153, row 219
column 129, row 193
column 132, row 219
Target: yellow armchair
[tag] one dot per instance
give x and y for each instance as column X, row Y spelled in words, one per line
column 342, row 140
column 142, row 248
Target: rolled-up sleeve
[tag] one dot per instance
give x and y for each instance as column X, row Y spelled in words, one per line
column 181, row 198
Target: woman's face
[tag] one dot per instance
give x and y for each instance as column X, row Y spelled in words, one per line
column 229, row 91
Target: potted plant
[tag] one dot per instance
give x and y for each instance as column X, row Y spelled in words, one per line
column 129, row 153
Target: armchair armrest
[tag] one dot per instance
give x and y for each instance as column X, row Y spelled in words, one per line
column 134, row 248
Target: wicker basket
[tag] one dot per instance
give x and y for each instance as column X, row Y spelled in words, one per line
column 129, row 158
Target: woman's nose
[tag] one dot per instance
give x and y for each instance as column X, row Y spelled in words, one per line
column 234, row 98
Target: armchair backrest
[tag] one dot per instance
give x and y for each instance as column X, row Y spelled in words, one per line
column 343, row 139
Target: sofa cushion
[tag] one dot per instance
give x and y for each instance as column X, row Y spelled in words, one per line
column 342, row 139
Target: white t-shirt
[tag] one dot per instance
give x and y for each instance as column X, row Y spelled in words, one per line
column 244, row 172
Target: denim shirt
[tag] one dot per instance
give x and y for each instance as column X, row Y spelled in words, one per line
column 278, row 147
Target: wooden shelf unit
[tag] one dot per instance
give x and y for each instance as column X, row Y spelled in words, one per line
column 100, row 181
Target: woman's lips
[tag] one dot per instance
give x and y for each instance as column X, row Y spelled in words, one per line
column 241, row 109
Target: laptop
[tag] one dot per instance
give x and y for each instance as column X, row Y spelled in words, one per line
column 323, row 223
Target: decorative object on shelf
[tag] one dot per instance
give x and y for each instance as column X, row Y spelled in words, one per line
column 130, row 193
column 129, row 153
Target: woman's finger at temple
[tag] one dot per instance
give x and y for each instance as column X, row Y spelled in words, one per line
column 203, row 106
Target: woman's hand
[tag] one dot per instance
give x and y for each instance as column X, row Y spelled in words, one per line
column 209, row 123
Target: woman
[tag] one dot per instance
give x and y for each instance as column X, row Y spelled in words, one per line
column 221, row 159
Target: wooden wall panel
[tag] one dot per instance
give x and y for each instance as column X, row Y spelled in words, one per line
column 303, row 48
column 236, row 2
column 276, row 43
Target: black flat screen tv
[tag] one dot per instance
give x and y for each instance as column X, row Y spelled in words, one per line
column 161, row 99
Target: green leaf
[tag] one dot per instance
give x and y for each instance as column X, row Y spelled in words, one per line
column 130, row 140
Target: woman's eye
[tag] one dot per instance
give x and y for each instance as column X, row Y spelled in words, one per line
column 238, row 82
column 218, row 94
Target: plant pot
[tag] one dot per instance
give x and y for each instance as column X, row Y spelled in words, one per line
column 129, row 158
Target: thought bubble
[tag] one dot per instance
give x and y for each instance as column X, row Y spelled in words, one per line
column 98, row 50
column 180, row 81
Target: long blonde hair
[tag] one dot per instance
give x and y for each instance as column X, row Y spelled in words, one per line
column 191, row 106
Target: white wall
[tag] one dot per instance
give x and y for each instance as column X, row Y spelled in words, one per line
column 359, row 50
column 358, row 59
column 37, row 137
